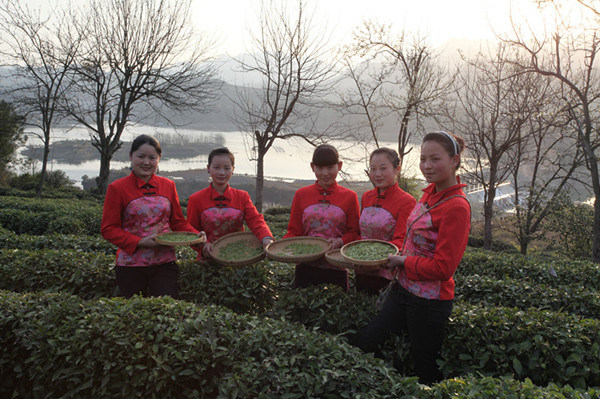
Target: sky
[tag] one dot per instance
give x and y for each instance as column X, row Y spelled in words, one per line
column 438, row 20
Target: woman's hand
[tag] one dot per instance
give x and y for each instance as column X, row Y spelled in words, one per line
column 148, row 242
column 266, row 241
column 207, row 250
column 335, row 242
column 394, row 261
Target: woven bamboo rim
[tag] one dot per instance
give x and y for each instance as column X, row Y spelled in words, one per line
column 274, row 249
column 374, row 263
column 235, row 237
column 160, row 241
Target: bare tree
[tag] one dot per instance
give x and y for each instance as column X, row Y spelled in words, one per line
column 491, row 112
column 569, row 57
column 42, row 51
column 136, row 52
column 410, row 82
column 546, row 160
column 294, row 65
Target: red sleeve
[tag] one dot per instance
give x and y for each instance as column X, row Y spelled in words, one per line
column 353, row 230
column 405, row 207
column 295, row 223
column 111, row 227
column 177, row 221
column 453, row 234
column 193, row 211
column 255, row 220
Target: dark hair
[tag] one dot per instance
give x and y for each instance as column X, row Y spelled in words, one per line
column 325, row 155
column 221, row 151
column 449, row 141
column 145, row 139
column 391, row 154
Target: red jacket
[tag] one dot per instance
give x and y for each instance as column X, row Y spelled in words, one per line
column 134, row 209
column 326, row 213
column 220, row 214
column 435, row 242
column 383, row 217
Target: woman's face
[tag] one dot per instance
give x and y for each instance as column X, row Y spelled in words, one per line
column 437, row 165
column 326, row 175
column 382, row 171
column 220, row 170
column 144, row 161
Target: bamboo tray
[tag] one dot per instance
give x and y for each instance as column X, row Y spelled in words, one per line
column 282, row 250
column 246, row 237
column 371, row 262
column 334, row 257
column 191, row 239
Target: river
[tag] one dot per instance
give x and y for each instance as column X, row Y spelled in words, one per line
column 287, row 159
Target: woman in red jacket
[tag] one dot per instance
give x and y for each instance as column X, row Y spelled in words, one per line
column 325, row 210
column 136, row 209
column 420, row 302
column 220, row 209
column 383, row 215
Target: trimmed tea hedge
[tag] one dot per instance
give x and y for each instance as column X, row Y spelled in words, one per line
column 40, row 216
column 84, row 243
column 504, row 388
column 543, row 346
column 553, row 271
column 90, row 275
column 510, row 292
column 86, row 274
column 546, row 347
column 58, row 346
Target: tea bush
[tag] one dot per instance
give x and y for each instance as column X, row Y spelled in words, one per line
column 42, row 216
column 503, row 388
column 86, row 274
column 534, row 269
column 546, row 347
column 509, row 292
column 241, row 289
column 83, row 243
column 58, row 346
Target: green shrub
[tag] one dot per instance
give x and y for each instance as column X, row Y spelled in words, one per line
column 503, row 388
column 535, row 269
column 326, row 307
column 571, row 223
column 246, row 289
column 84, row 243
column 510, row 292
column 57, row 346
column 34, row 216
column 497, row 246
column 546, row 347
column 543, row 346
column 85, row 274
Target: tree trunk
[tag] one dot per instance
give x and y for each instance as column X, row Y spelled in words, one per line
column 596, row 231
column 40, row 186
column 488, row 215
column 102, row 182
column 260, row 180
column 524, row 245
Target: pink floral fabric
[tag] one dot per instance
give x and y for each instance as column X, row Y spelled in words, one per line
column 145, row 216
column 218, row 222
column 377, row 223
column 324, row 220
column 420, row 241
